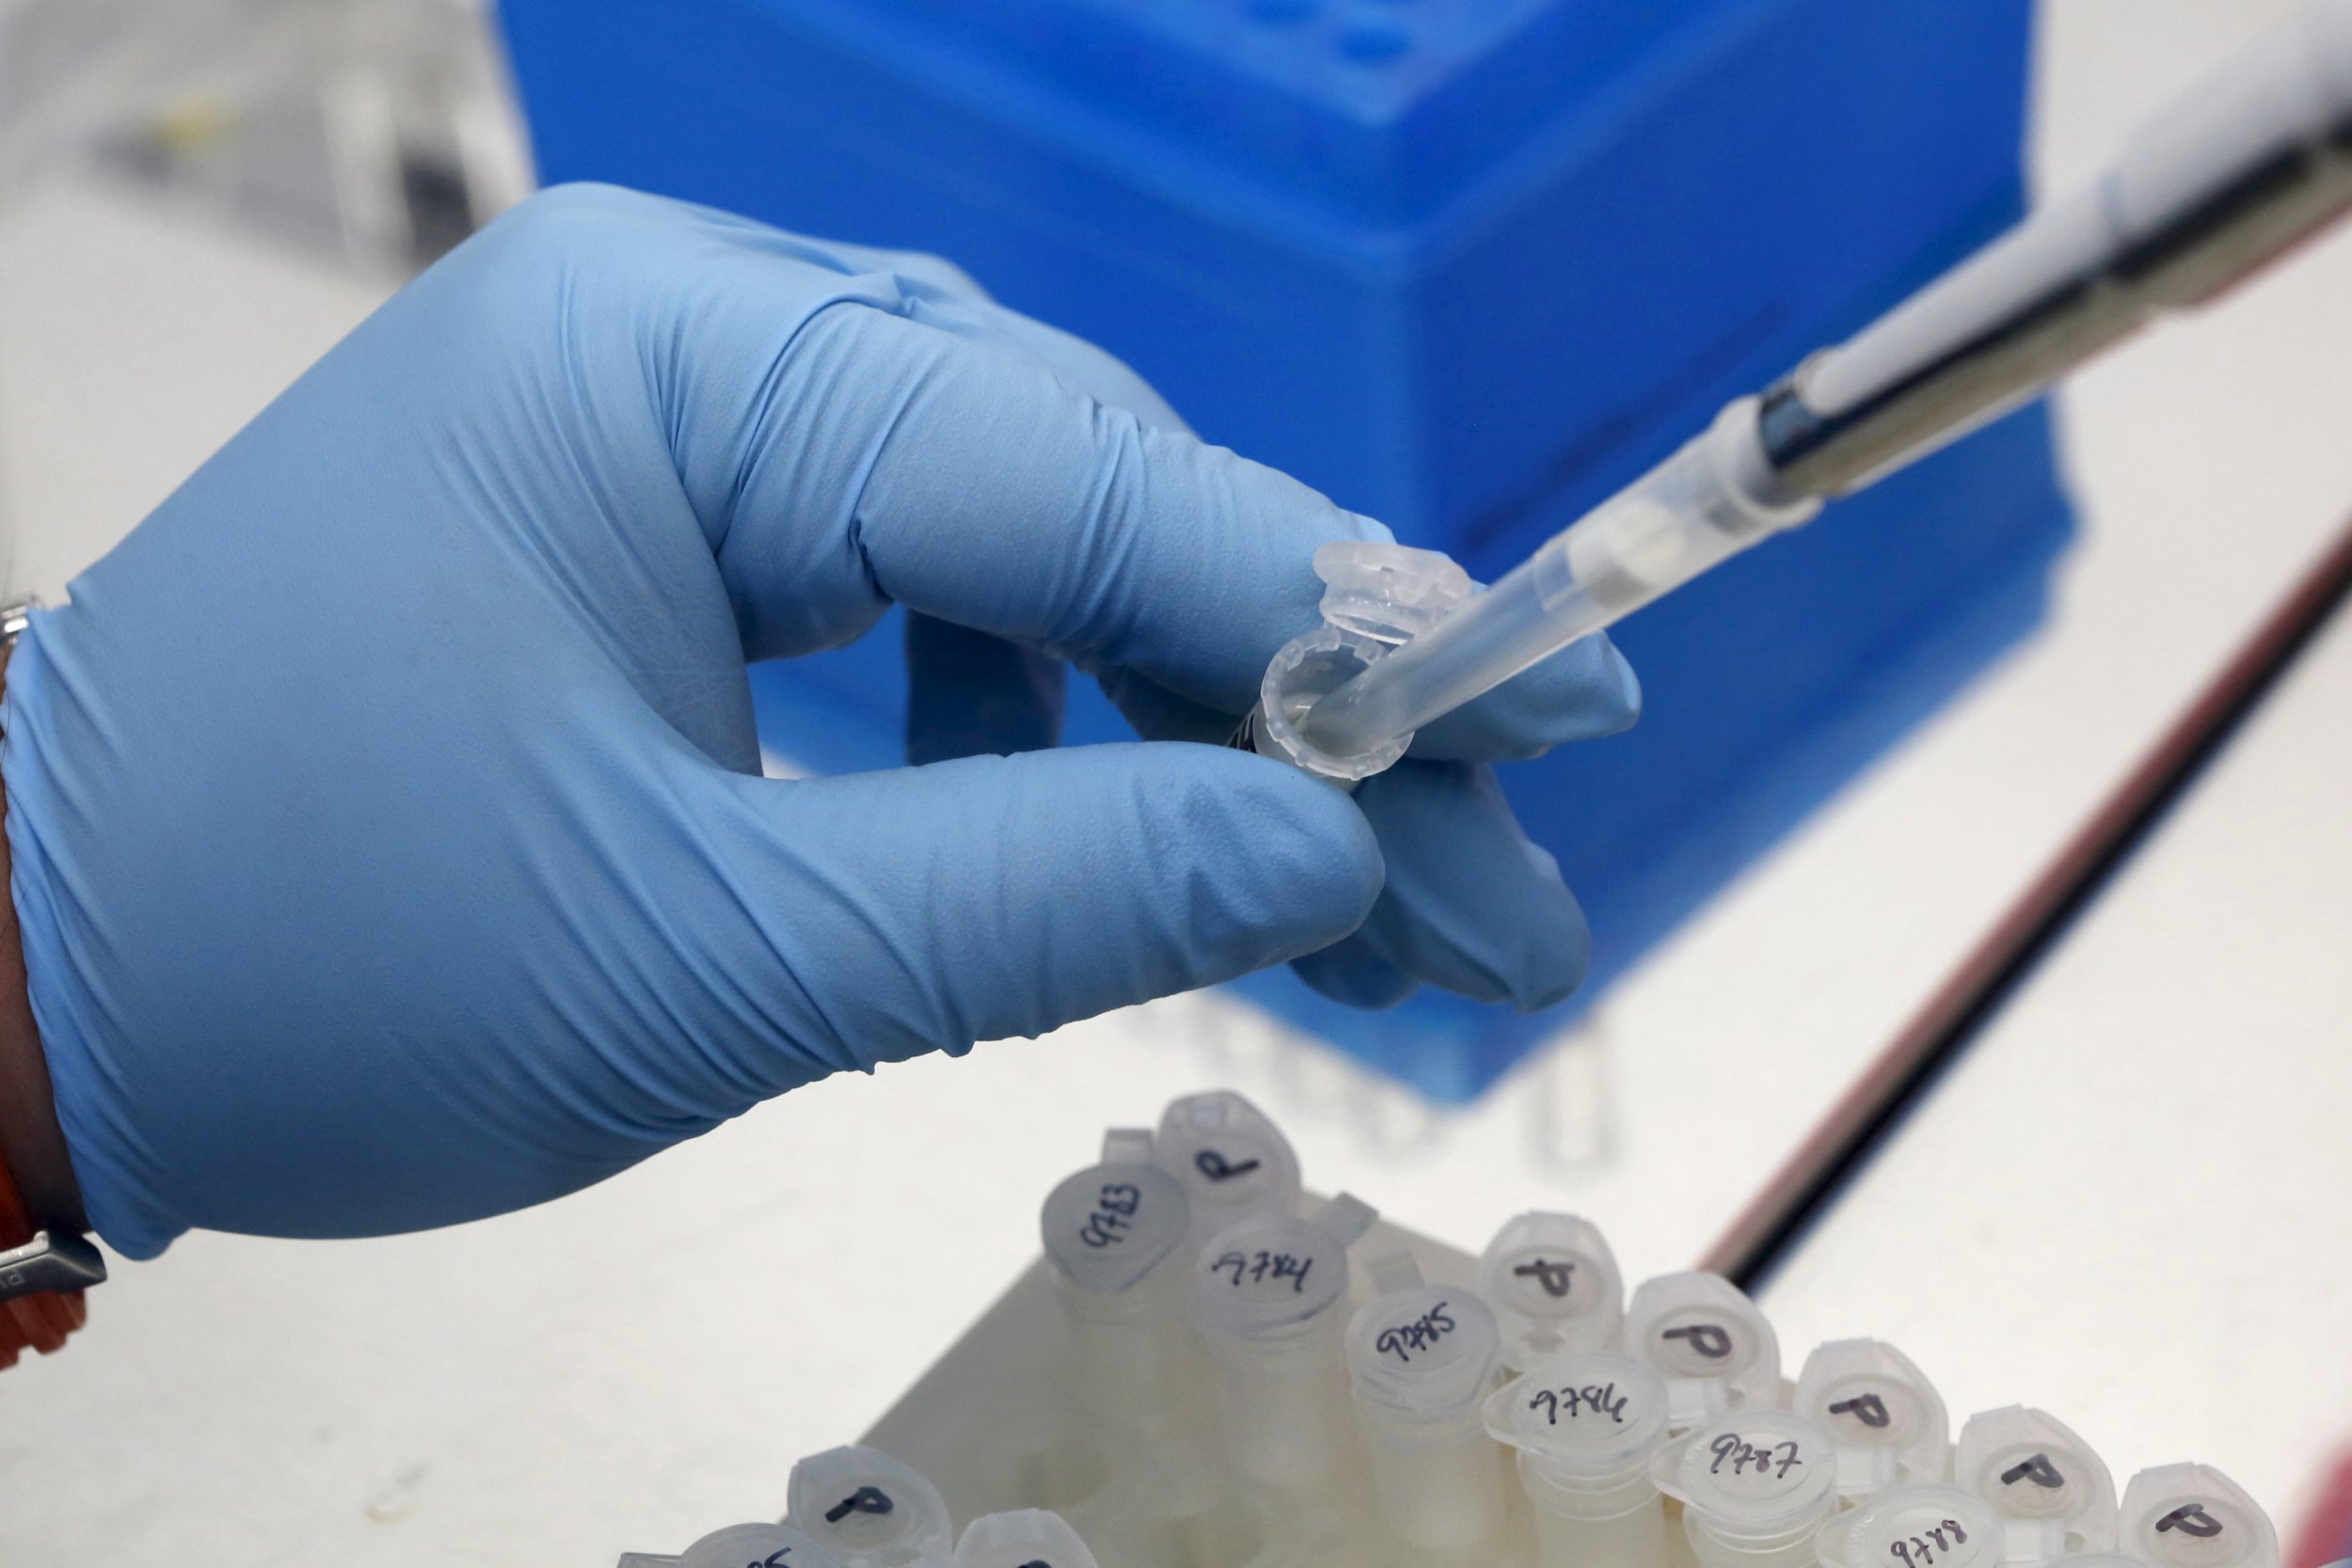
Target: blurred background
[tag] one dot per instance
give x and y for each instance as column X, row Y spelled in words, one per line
column 1466, row 264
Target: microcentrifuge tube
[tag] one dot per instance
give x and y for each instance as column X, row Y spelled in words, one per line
column 1422, row 1357
column 1914, row 1527
column 2053, row 1492
column 1233, row 1162
column 1114, row 1235
column 757, row 1546
column 868, row 1509
column 1754, row 1486
column 2194, row 1516
column 1554, row 1287
column 1024, row 1538
column 1267, row 1295
column 1586, row 1427
column 1710, row 1342
column 1888, row 1418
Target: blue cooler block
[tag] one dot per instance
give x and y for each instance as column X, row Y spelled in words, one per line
column 1467, row 265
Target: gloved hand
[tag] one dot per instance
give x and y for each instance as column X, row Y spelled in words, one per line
column 390, row 841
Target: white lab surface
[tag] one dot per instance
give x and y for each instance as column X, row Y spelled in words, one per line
column 637, row 1364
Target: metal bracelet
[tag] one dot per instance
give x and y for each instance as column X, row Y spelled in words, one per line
column 15, row 615
column 63, row 1262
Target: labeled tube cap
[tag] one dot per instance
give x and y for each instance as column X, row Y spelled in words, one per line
column 1915, row 1527
column 1883, row 1414
column 1594, row 1418
column 869, row 1508
column 1426, row 1349
column 1712, row 1344
column 1272, row 1273
column 1024, row 1538
column 1108, row 1225
column 2194, row 1516
column 1554, row 1286
column 1233, row 1162
column 2051, row 1487
column 757, row 1546
column 1757, row 1473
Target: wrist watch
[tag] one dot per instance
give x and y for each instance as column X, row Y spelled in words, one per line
column 43, row 1268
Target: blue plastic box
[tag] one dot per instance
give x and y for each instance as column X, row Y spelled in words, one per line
column 1465, row 264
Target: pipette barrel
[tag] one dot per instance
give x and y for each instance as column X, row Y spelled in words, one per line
column 2229, row 176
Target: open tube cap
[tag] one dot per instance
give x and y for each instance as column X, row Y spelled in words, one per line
column 1110, row 1225
column 869, row 1508
column 2051, row 1487
column 758, row 1546
column 1024, row 1538
column 1915, row 1527
column 1426, row 1349
column 2194, row 1516
column 1275, row 1272
column 1712, row 1344
column 1885, row 1416
column 1554, row 1286
column 1754, row 1473
column 1592, row 1417
column 1231, row 1158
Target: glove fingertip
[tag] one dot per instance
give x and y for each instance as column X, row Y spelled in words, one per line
column 1311, row 859
column 1349, row 973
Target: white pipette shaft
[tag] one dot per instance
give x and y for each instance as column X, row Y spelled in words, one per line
column 2232, row 173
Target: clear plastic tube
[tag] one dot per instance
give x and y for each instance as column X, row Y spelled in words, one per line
column 1586, row 1427
column 1756, row 1488
column 1266, row 1294
column 1420, row 1357
column 1114, row 1233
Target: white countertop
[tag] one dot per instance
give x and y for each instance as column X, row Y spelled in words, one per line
column 630, row 1367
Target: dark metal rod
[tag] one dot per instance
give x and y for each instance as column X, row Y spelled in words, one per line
column 1841, row 1149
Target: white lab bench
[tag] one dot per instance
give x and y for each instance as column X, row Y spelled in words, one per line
column 2126, row 1206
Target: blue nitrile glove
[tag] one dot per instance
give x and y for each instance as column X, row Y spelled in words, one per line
column 390, row 840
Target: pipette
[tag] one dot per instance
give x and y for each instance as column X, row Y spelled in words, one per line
column 1422, row 1357
column 1585, row 1426
column 2232, row 173
column 2051, row 1488
column 1886, row 1416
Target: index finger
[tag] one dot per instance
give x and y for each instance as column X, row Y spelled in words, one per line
column 988, row 491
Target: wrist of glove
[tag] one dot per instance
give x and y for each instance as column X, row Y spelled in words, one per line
column 390, row 847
